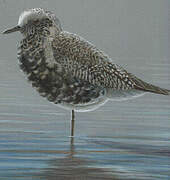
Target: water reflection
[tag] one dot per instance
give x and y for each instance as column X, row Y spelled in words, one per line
column 72, row 167
column 107, row 158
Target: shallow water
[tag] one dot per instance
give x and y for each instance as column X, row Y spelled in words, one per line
column 121, row 140
column 109, row 144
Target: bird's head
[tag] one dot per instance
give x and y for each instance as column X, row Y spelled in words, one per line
column 33, row 20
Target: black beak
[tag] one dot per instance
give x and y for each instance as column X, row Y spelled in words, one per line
column 14, row 29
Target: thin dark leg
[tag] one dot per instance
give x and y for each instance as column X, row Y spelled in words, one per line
column 72, row 123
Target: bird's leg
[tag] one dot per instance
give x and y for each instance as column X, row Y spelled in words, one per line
column 72, row 123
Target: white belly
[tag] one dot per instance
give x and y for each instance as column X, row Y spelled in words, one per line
column 92, row 105
column 121, row 95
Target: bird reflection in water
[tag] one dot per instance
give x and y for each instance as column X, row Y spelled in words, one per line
column 73, row 167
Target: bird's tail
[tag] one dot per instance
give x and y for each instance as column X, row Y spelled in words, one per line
column 143, row 86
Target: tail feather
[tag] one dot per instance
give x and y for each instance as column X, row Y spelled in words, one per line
column 143, row 86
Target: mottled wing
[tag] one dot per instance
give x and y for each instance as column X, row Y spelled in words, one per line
column 87, row 63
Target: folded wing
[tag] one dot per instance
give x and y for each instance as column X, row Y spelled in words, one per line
column 85, row 62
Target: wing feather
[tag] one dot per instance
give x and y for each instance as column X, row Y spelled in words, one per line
column 84, row 61
column 87, row 63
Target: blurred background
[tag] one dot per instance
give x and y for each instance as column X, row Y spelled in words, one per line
column 120, row 140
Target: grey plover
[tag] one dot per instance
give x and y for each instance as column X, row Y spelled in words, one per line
column 70, row 71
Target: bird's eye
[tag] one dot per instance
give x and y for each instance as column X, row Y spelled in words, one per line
column 36, row 22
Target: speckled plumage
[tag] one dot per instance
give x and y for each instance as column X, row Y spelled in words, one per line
column 70, row 71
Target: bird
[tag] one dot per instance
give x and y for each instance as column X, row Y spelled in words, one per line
column 70, row 71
